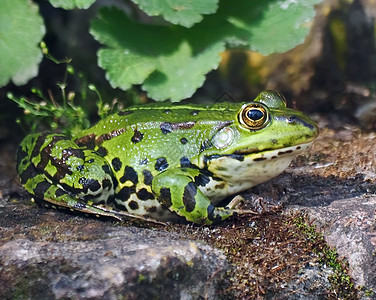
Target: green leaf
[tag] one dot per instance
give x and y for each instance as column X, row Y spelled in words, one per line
column 21, row 30
column 180, row 74
column 269, row 26
column 125, row 69
column 168, row 60
column 181, row 12
column 171, row 61
column 71, row 4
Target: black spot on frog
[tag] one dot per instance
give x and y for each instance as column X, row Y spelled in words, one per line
column 129, row 174
column 137, row 137
column 116, row 164
column 161, row 164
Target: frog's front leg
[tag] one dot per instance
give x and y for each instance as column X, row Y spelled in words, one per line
column 55, row 169
column 176, row 189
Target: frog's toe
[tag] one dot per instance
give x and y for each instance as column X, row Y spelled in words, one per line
column 235, row 201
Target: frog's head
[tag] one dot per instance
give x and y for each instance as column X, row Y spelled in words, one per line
column 260, row 142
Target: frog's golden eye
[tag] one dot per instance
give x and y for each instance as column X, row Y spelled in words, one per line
column 253, row 116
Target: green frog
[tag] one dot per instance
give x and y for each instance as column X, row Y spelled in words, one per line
column 166, row 162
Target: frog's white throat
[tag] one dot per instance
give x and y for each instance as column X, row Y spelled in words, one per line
column 243, row 172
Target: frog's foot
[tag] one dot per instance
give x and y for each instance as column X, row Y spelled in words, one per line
column 176, row 189
column 235, row 202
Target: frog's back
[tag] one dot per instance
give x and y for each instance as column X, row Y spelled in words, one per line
column 154, row 115
column 152, row 136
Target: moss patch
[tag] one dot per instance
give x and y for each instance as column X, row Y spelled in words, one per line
column 268, row 251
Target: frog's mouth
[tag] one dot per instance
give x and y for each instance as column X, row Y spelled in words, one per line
column 260, row 155
column 275, row 152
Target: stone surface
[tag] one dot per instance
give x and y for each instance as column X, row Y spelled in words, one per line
column 341, row 199
column 311, row 284
column 349, row 226
column 128, row 263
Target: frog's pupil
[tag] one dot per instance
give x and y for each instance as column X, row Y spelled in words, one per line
column 255, row 114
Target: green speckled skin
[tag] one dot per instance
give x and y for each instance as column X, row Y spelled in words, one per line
column 166, row 162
